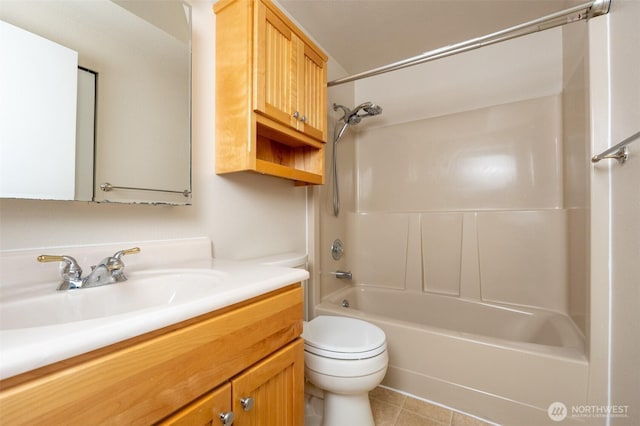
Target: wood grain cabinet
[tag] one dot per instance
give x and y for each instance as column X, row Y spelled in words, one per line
column 246, row 359
column 268, row 393
column 214, row 408
column 271, row 102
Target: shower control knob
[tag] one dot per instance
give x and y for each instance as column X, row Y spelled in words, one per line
column 227, row 418
column 336, row 249
column 247, row 403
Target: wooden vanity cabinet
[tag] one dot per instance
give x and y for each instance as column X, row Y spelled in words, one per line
column 207, row 410
column 271, row 101
column 272, row 386
column 185, row 374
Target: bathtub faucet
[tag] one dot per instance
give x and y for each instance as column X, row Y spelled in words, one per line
column 343, row 275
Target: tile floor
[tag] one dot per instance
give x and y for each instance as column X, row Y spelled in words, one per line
column 391, row 408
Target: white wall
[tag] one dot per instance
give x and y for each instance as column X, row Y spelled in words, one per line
column 615, row 206
column 523, row 68
column 245, row 215
column 625, row 113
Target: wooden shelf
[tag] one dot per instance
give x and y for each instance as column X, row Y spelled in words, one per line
column 286, row 172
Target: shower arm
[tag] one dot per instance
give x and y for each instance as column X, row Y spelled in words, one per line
column 345, row 113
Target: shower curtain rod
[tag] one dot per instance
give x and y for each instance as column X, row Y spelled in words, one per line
column 576, row 13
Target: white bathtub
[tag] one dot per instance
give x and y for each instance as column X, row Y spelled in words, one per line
column 504, row 363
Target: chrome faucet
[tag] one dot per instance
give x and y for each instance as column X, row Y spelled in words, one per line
column 109, row 270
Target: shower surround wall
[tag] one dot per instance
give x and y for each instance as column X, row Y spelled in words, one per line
column 474, row 181
column 468, row 205
column 576, row 158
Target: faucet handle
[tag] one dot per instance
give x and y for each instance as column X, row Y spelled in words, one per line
column 71, row 272
column 121, row 253
column 71, row 265
column 115, row 264
column 52, row 258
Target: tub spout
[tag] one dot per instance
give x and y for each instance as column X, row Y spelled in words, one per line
column 343, row 275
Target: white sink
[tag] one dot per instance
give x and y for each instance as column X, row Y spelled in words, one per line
column 40, row 325
column 143, row 290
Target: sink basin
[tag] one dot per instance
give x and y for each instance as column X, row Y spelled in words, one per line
column 142, row 291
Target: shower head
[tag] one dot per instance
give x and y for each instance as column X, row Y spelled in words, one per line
column 354, row 116
column 369, row 109
column 372, row 109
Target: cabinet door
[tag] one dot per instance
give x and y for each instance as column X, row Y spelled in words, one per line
column 274, row 67
column 206, row 410
column 311, row 92
column 276, row 388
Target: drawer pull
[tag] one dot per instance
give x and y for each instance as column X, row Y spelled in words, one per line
column 227, row 418
column 247, row 403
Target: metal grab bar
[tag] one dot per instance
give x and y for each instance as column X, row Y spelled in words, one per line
column 618, row 152
column 106, row 187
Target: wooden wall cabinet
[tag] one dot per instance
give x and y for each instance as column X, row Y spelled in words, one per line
column 186, row 374
column 271, row 112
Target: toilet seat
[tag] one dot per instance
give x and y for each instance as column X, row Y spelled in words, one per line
column 343, row 338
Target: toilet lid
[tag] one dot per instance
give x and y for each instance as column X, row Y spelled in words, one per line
column 343, row 338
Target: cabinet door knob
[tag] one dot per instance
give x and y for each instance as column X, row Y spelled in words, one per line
column 247, row 403
column 296, row 114
column 227, row 418
column 303, row 118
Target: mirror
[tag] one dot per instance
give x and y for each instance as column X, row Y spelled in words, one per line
column 101, row 101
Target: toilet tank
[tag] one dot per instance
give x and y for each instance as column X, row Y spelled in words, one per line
column 289, row 260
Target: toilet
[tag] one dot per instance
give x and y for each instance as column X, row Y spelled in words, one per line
column 345, row 358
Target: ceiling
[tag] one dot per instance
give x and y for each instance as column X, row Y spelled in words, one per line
column 364, row 34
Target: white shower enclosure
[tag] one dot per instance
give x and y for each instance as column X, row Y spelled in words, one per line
column 476, row 184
